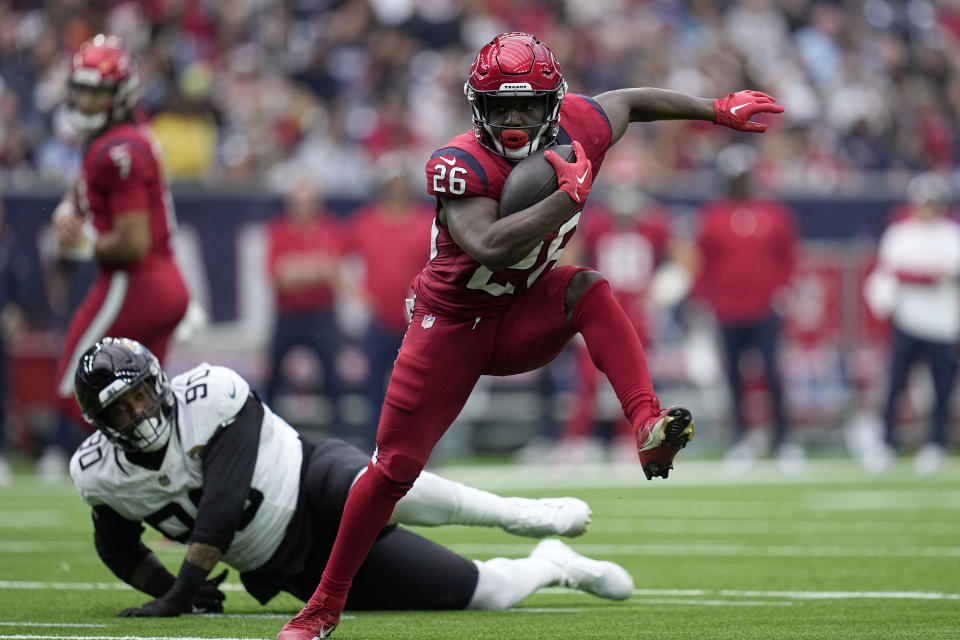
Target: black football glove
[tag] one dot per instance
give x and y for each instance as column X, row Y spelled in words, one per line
column 209, row 598
column 158, row 608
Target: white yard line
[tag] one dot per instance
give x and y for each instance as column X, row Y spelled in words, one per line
column 653, row 593
column 85, row 586
column 695, row 472
column 30, row 518
column 713, row 603
column 724, row 550
column 739, row 526
column 45, row 546
column 48, row 637
column 679, row 595
column 50, row 624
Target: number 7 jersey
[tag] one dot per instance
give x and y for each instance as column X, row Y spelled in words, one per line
column 208, row 398
column 453, row 283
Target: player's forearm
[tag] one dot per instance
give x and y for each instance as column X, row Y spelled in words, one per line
column 511, row 239
column 647, row 103
column 205, row 556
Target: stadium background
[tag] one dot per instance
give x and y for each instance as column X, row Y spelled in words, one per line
column 247, row 96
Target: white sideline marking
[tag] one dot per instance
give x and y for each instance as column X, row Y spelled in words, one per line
column 31, row 518
column 662, row 593
column 43, row 637
column 766, row 525
column 882, row 500
column 714, row 603
column 798, row 595
column 44, row 546
column 50, row 624
column 723, row 550
column 86, row 586
column 844, row 595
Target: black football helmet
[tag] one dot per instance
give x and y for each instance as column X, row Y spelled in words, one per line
column 124, row 393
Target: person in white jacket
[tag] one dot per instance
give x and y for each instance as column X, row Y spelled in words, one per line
column 917, row 285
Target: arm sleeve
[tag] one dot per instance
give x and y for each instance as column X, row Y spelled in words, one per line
column 118, row 544
column 228, row 463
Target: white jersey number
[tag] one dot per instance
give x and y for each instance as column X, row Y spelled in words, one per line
column 456, row 184
column 481, row 277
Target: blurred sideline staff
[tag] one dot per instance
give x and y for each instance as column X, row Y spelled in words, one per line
column 747, row 249
column 916, row 284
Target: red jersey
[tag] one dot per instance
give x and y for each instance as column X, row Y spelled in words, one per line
column 455, row 284
column 748, row 249
column 320, row 238
column 121, row 173
column 393, row 251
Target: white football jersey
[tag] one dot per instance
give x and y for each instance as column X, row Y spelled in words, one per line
column 167, row 498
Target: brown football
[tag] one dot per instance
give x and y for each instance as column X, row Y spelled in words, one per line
column 532, row 180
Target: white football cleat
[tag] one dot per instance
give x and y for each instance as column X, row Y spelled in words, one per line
column 534, row 518
column 599, row 577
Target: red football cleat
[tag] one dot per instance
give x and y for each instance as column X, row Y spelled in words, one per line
column 314, row 621
column 661, row 437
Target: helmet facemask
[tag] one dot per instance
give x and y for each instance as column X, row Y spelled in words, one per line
column 135, row 413
column 517, row 142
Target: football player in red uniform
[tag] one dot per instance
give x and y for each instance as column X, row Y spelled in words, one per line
column 489, row 301
column 119, row 213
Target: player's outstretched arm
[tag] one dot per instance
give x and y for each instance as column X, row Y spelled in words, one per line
column 646, row 104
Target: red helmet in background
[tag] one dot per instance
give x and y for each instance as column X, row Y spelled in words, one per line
column 102, row 63
column 515, row 65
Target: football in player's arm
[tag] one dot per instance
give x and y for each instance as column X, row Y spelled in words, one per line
column 204, row 462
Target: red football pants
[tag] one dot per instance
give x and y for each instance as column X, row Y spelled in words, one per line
column 146, row 305
column 439, row 364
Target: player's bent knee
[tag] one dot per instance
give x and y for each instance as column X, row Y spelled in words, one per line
column 399, row 470
column 579, row 284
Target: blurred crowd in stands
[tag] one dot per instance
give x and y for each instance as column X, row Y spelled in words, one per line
column 252, row 92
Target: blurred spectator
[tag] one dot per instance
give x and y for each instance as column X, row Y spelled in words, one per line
column 916, row 283
column 15, row 278
column 747, row 250
column 392, row 238
column 305, row 246
column 186, row 129
column 119, row 214
column 626, row 243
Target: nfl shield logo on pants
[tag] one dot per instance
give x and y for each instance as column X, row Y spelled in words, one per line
column 427, row 321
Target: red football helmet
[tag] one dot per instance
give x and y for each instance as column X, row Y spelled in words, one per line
column 103, row 64
column 515, row 65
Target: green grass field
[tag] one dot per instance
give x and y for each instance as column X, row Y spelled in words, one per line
column 831, row 554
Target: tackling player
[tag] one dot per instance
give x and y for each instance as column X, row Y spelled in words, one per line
column 203, row 461
column 118, row 213
column 489, row 300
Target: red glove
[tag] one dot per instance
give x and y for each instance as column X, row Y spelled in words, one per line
column 735, row 110
column 573, row 177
